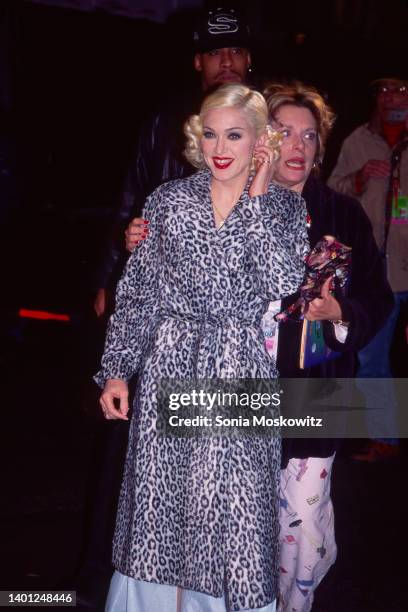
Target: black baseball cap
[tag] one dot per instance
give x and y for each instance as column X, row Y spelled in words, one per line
column 220, row 28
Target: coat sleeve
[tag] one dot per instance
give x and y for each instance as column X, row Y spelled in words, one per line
column 277, row 239
column 369, row 299
column 131, row 326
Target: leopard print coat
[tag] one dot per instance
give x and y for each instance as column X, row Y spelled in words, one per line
column 202, row 513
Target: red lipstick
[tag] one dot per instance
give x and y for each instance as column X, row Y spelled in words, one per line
column 222, row 162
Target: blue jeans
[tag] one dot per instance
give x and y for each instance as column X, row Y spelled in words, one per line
column 374, row 360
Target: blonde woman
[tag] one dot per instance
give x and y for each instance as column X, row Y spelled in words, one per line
column 197, row 522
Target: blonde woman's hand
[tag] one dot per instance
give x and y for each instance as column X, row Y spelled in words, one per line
column 136, row 231
column 264, row 166
column 115, row 389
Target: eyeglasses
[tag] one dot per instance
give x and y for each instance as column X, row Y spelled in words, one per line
column 384, row 89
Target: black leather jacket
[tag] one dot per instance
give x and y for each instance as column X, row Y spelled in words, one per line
column 158, row 158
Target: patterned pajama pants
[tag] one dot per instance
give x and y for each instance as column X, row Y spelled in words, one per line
column 308, row 547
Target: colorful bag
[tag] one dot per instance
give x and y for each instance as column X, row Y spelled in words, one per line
column 328, row 259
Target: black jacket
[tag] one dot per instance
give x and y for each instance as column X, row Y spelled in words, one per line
column 158, row 158
column 367, row 303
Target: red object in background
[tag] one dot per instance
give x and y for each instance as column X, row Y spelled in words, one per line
column 42, row 315
column 392, row 132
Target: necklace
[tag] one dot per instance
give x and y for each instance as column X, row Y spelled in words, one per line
column 217, row 210
column 223, row 219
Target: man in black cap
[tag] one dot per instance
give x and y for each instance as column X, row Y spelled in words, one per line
column 221, row 45
column 221, row 41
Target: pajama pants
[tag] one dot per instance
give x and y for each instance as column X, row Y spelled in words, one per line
column 308, row 547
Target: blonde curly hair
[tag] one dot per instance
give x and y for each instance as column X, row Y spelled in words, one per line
column 232, row 95
column 302, row 96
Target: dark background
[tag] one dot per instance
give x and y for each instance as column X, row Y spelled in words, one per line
column 75, row 86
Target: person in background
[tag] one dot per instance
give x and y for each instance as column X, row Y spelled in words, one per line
column 197, row 523
column 221, row 42
column 308, row 548
column 373, row 167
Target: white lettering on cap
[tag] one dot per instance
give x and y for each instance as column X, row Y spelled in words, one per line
column 222, row 24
